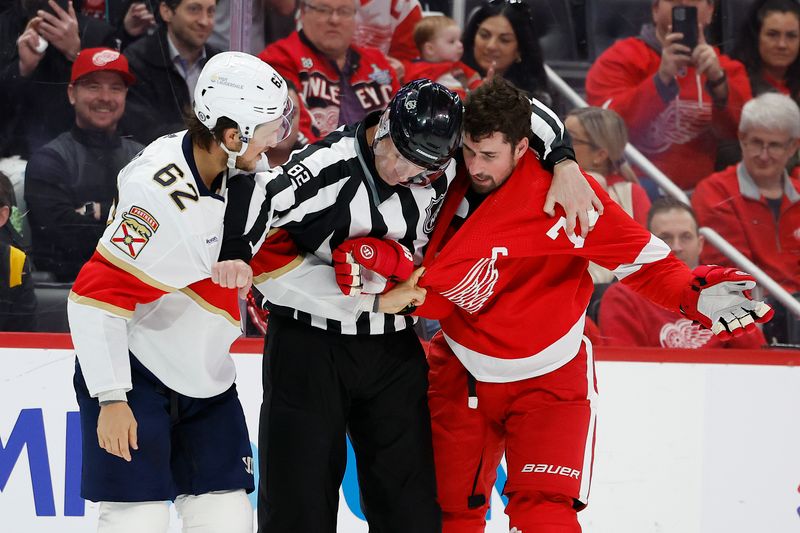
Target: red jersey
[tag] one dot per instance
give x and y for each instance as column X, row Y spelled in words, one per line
column 330, row 99
column 454, row 75
column 388, row 25
column 677, row 131
column 628, row 319
column 511, row 288
column 730, row 203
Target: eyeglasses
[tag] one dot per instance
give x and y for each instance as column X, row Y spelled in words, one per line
column 328, row 12
column 756, row 146
column 575, row 141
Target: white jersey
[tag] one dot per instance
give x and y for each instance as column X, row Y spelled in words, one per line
column 147, row 288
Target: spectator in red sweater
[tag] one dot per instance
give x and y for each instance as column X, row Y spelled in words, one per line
column 677, row 102
column 755, row 205
column 628, row 319
column 339, row 82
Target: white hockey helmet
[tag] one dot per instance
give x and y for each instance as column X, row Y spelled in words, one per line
column 246, row 90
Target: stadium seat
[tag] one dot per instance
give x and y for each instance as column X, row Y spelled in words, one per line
column 610, row 20
column 557, row 30
column 51, row 311
column 593, row 310
column 733, row 14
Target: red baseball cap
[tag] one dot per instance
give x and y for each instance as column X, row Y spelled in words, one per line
column 97, row 59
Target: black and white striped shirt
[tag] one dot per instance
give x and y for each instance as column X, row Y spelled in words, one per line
column 330, row 192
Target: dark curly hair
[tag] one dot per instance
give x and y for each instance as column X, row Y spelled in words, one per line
column 497, row 105
column 529, row 74
column 746, row 47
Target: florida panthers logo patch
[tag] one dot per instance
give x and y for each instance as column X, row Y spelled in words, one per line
column 134, row 232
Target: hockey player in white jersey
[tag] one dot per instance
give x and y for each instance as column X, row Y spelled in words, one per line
column 160, row 415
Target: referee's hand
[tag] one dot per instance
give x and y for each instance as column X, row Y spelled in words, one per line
column 233, row 274
column 116, row 430
column 571, row 191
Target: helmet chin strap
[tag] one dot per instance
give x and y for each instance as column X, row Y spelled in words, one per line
column 233, row 155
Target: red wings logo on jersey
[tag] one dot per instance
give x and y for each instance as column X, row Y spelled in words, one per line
column 134, row 232
column 684, row 334
column 477, row 286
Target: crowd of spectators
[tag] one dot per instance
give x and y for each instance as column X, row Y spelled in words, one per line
column 85, row 84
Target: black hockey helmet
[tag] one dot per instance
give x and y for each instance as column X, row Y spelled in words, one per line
column 425, row 123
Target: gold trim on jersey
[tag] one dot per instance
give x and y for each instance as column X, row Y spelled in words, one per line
column 272, row 274
column 208, row 306
column 91, row 302
column 132, row 270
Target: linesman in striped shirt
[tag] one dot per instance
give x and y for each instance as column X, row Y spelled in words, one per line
column 336, row 364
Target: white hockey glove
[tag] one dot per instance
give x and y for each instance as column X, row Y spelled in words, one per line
column 719, row 299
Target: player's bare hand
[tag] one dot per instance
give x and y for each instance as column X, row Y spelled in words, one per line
column 403, row 294
column 116, row 430
column 28, row 48
column 571, row 191
column 138, row 19
column 60, row 28
column 233, row 274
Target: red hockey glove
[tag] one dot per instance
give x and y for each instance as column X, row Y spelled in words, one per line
column 357, row 260
column 719, row 299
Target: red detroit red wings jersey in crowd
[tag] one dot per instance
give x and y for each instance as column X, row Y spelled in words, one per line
column 454, row 75
column 511, row 288
column 628, row 319
column 679, row 135
column 319, row 82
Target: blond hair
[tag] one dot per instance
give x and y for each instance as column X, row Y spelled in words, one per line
column 606, row 130
column 427, row 28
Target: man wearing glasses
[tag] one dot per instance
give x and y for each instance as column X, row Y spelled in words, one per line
column 754, row 204
column 339, row 82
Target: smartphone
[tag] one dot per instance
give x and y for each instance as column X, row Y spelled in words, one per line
column 684, row 20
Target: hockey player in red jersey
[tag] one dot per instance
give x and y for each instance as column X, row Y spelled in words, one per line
column 160, row 416
column 510, row 372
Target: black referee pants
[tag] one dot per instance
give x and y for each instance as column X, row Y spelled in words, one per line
column 319, row 385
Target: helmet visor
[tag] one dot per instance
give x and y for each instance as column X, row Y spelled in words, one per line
column 423, row 179
column 401, row 170
column 287, row 118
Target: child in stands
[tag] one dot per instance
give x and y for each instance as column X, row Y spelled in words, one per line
column 438, row 39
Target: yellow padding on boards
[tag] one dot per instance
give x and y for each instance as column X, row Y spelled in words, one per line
column 16, row 262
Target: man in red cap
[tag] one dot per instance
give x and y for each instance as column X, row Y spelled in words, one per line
column 71, row 181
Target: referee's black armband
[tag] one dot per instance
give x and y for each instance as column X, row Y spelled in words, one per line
column 557, row 155
column 235, row 248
